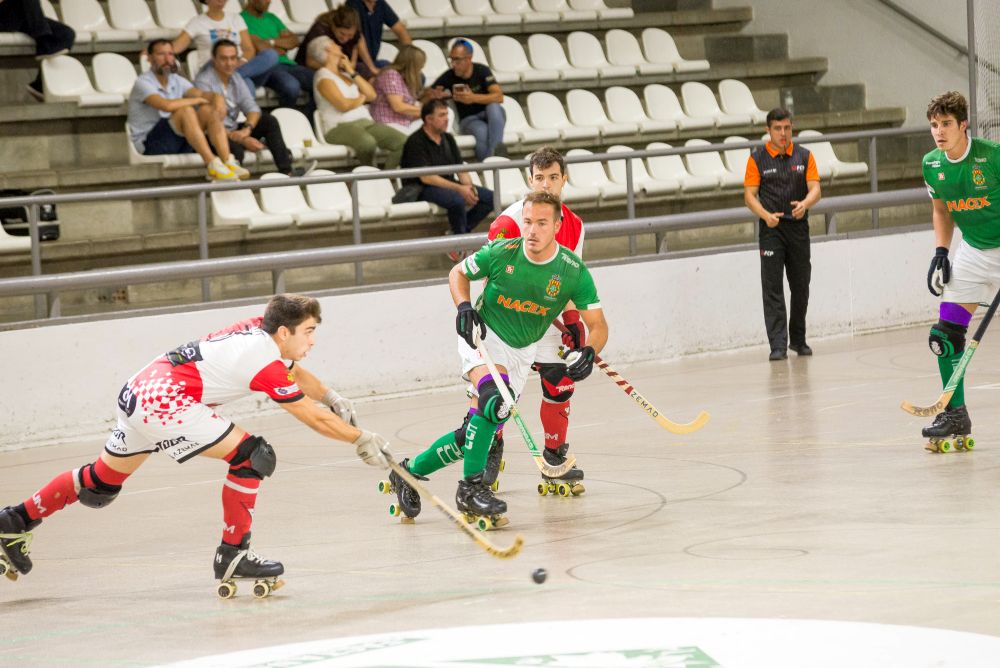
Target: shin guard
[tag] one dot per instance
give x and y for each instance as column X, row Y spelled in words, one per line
column 64, row 489
column 239, row 496
column 555, row 422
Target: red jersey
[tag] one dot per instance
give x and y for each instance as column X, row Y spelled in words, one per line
column 508, row 225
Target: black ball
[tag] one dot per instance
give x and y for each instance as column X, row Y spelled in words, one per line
column 539, row 575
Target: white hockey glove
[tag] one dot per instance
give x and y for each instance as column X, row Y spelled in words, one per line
column 344, row 408
column 372, row 449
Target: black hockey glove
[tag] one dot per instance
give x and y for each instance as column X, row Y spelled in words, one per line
column 582, row 365
column 940, row 271
column 467, row 321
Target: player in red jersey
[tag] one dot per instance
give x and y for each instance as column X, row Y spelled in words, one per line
column 168, row 407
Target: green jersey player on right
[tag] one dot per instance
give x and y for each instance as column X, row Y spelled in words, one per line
column 963, row 178
column 530, row 281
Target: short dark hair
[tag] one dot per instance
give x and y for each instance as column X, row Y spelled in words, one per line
column 544, row 158
column 155, row 43
column 221, row 43
column 289, row 311
column 777, row 114
column 542, row 197
column 430, row 107
column 951, row 103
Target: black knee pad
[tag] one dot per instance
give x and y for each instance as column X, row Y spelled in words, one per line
column 460, row 432
column 947, row 339
column 491, row 403
column 261, row 456
column 557, row 387
column 97, row 497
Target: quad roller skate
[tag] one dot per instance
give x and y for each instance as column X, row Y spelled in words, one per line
column 235, row 563
column 475, row 500
column 15, row 539
column 951, row 430
column 407, row 505
column 495, row 463
column 570, row 484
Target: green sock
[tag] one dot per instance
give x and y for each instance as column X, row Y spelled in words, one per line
column 478, row 438
column 444, row 451
column 946, row 365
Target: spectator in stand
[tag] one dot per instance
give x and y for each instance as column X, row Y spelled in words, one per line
column 288, row 79
column 374, row 14
column 340, row 25
column 167, row 115
column 220, row 79
column 477, row 97
column 206, row 29
column 397, row 89
column 51, row 37
column 341, row 95
column 433, row 146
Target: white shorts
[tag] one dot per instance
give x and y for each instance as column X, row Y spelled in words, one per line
column 517, row 361
column 548, row 347
column 189, row 430
column 975, row 275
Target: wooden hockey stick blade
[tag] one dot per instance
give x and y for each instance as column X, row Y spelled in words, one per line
column 949, row 389
column 927, row 411
column 454, row 516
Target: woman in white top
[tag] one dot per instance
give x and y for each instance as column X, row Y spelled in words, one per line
column 341, row 95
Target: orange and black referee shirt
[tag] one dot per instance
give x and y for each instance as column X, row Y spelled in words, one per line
column 782, row 178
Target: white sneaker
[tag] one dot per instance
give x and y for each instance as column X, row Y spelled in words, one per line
column 219, row 171
column 241, row 172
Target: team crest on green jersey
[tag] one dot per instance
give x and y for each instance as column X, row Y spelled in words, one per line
column 978, row 177
column 555, row 284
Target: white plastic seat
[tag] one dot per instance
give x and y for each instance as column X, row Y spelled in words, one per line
column 277, row 7
column 11, row 244
column 736, row 98
column 547, row 112
column 517, row 129
column 478, row 52
column 603, row 11
column 442, row 9
column 513, row 187
column 14, row 39
column 135, row 15
column 240, row 208
column 436, row 63
column 642, row 181
column 306, row 11
column 592, row 175
column 546, row 53
column 624, row 106
column 173, row 14
column 528, row 14
column 288, row 200
column 826, row 158
column 337, row 197
column 484, row 10
column 585, row 110
column 510, row 63
column 169, row 160
column 300, row 138
column 566, row 13
column 700, row 101
column 624, row 49
column 381, row 192
column 387, row 51
column 64, row 79
column 710, row 163
column 463, row 141
column 86, row 16
column 114, row 73
column 231, row 7
column 193, row 63
column 663, row 105
column 671, row 167
column 586, row 52
column 736, row 158
column 659, row 47
column 404, row 10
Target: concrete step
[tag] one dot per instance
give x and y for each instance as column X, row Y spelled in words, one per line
column 746, row 48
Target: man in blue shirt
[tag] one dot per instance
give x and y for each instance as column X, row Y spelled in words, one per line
column 374, row 14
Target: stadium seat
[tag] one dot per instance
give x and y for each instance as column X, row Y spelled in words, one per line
column 387, row 51
column 114, row 73
column 300, row 138
column 624, row 49
column 699, row 101
column 586, row 52
column 169, row 161
column 381, row 192
column 736, row 158
column 20, row 39
column 288, row 200
column 436, row 62
column 528, row 14
column 337, row 197
column 478, row 52
column 603, row 11
column 566, row 13
column 513, row 187
column 11, row 244
column 671, row 167
column 660, row 48
column 64, row 79
column 463, row 141
column 624, row 106
column 585, row 110
column 547, row 112
column 306, row 11
column 483, row 9
column 710, row 164
column 277, row 7
column 135, row 15
column 510, row 62
column 174, row 15
column 517, row 129
column 663, row 105
column 87, row 18
column 193, row 63
column 546, row 53
column 642, row 181
column 231, row 7
column 826, row 158
column 736, row 98
column 404, row 10
column 240, row 208
column 592, row 175
column 442, row 9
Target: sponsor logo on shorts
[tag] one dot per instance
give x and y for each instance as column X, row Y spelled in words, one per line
column 116, row 442
column 287, row 391
column 968, row 204
column 171, row 442
column 526, row 306
column 127, row 400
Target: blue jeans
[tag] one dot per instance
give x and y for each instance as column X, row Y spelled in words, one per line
column 288, row 82
column 461, row 221
column 487, row 127
column 258, row 66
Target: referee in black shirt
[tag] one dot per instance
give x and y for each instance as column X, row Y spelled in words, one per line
column 780, row 186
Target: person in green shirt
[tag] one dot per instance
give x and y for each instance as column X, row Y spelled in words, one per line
column 289, row 79
column 530, row 281
column 963, row 179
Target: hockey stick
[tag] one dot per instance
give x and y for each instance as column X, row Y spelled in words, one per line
column 959, row 372
column 454, row 515
column 547, row 470
column 673, row 427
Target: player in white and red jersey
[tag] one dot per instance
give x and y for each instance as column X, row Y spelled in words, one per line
column 168, row 407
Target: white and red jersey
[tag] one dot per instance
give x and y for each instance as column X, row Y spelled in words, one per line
column 508, row 225
column 223, row 366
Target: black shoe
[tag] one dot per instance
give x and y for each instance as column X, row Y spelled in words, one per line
column 474, row 497
column 950, row 422
column 15, row 539
column 408, row 498
column 802, row 349
column 777, row 355
column 556, row 457
column 35, row 90
column 239, row 561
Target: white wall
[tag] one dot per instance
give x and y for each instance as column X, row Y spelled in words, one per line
column 865, row 42
column 61, row 382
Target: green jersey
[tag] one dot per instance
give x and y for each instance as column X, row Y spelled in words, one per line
column 268, row 26
column 970, row 188
column 522, row 297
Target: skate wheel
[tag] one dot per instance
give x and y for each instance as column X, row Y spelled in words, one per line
column 563, row 489
column 495, row 485
column 384, row 486
column 503, row 464
column 261, row 589
column 543, row 489
column 4, row 568
column 945, row 446
column 484, row 523
column 395, row 510
column 226, row 590
column 578, row 489
column 970, row 442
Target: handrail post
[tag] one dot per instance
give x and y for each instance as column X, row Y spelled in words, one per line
column 206, row 284
column 278, row 281
column 359, row 271
column 36, row 257
column 496, row 192
column 630, row 194
column 873, row 176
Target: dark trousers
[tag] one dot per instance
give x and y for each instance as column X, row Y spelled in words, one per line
column 461, row 221
column 288, row 82
column 785, row 249
column 26, row 16
column 268, row 131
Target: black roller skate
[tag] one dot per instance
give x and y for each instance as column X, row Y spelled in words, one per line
column 950, row 430
column 476, row 501
column 407, row 505
column 15, row 539
column 494, row 463
column 240, row 562
column 570, row 484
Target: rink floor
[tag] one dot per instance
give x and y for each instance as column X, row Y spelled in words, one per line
column 807, row 496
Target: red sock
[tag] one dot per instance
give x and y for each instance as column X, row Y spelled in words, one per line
column 555, row 422
column 61, row 490
column 239, row 495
